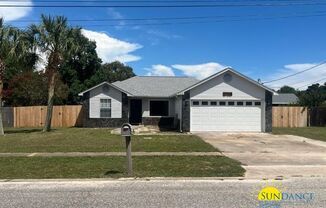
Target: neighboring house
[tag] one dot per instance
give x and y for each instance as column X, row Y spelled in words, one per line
column 282, row 99
column 225, row 101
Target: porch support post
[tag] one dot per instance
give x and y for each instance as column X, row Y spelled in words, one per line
column 186, row 112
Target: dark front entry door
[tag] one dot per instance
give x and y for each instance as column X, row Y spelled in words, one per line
column 135, row 111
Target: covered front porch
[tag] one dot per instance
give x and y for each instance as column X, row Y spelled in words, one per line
column 161, row 112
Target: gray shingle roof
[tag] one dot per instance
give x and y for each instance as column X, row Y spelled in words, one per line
column 155, row 86
column 285, row 98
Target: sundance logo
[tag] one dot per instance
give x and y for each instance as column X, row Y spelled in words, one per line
column 272, row 197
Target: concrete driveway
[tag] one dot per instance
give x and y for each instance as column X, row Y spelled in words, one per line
column 269, row 156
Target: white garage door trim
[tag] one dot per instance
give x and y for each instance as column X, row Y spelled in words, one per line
column 222, row 115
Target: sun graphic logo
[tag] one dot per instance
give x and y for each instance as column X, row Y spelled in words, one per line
column 270, row 194
column 276, row 195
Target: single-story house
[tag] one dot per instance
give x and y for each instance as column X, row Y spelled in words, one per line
column 225, row 101
column 282, row 99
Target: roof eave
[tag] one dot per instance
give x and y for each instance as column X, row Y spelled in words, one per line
column 282, row 103
column 221, row 72
column 148, row 96
column 117, row 88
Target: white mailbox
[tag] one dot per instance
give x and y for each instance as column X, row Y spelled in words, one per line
column 126, row 130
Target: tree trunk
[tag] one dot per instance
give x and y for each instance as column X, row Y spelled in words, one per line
column 47, row 126
column 2, row 69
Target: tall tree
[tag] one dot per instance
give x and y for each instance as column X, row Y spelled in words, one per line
column 27, row 89
column 54, row 38
column 4, row 33
column 111, row 72
column 314, row 96
column 287, row 89
column 80, row 66
column 11, row 47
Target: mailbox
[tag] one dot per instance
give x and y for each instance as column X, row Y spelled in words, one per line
column 126, row 130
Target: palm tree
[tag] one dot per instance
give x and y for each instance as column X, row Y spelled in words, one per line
column 3, row 35
column 52, row 37
column 9, row 48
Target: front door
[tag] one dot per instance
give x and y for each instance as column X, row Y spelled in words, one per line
column 135, row 111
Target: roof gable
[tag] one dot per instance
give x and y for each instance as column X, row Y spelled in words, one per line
column 103, row 83
column 222, row 72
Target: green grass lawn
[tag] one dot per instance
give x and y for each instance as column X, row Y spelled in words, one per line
column 96, row 140
column 101, row 167
column 318, row 133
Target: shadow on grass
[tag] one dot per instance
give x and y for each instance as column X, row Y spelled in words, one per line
column 113, row 172
column 24, row 131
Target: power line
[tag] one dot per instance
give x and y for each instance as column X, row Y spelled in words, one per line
column 161, row 1
column 157, row 1
column 296, row 82
column 280, row 15
column 197, row 22
column 188, row 23
column 291, row 75
column 162, row 6
column 315, row 82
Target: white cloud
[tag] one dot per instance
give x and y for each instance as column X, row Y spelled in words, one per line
column 155, row 36
column 42, row 60
column 118, row 16
column 111, row 49
column 305, row 78
column 160, row 70
column 14, row 13
column 162, row 34
column 200, row 71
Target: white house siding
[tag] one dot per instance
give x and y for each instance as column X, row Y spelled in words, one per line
column 178, row 106
column 241, row 89
column 227, row 118
column 145, row 105
column 94, row 102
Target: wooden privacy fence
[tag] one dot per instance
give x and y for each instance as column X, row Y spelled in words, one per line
column 72, row 115
column 284, row 116
column 317, row 116
column 34, row 116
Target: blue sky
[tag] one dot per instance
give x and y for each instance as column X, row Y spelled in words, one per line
column 265, row 49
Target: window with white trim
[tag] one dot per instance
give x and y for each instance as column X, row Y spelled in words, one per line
column 105, row 108
column 204, row 102
column 213, row 103
column 195, row 103
column 222, row 103
column 248, row 103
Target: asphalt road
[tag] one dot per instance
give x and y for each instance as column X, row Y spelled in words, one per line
column 154, row 193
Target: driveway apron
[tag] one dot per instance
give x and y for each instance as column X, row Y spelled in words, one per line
column 271, row 156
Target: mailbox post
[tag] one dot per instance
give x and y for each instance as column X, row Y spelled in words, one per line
column 126, row 131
